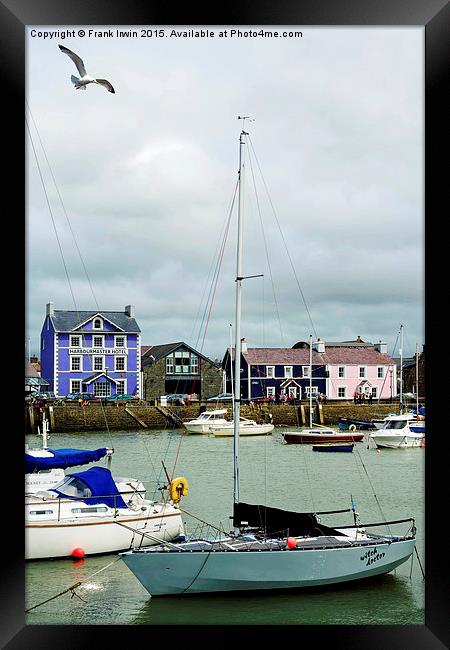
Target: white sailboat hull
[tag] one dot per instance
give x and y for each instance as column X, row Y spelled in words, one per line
column 244, row 430
column 169, row 573
column 398, row 440
column 95, row 535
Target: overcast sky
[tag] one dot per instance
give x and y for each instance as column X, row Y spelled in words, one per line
column 146, row 176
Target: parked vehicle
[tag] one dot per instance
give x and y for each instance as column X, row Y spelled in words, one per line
column 221, row 397
column 177, row 397
column 76, row 397
column 126, row 397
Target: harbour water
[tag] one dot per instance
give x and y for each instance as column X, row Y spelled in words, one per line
column 293, row 477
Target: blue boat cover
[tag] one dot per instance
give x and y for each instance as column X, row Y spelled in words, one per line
column 100, row 485
column 63, row 458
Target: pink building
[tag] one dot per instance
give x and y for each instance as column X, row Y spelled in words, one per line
column 356, row 366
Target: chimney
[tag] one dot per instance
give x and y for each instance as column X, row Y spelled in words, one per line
column 319, row 346
column 381, row 347
column 50, row 309
column 129, row 310
column 244, row 348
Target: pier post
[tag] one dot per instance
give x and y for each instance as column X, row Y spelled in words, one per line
column 301, row 413
column 320, row 413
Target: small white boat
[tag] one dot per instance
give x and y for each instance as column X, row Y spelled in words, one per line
column 400, row 432
column 246, row 428
column 205, row 420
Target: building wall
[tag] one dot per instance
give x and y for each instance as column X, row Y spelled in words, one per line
column 386, row 386
column 48, row 353
column 156, row 381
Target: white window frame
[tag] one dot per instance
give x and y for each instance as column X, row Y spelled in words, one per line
column 170, row 364
column 344, row 373
column 292, row 391
column 270, row 372
column 344, row 388
column 121, row 386
column 364, row 371
column 305, row 371
column 102, row 384
column 270, row 390
column 116, row 368
column 72, row 386
column 74, row 358
column 94, row 358
column 120, row 336
column 102, row 342
column 380, row 376
column 374, row 392
column 314, row 391
column 100, row 320
column 71, row 342
column 287, row 370
column 194, row 365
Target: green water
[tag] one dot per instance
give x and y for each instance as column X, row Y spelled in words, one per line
column 287, row 476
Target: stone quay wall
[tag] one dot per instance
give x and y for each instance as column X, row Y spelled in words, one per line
column 97, row 417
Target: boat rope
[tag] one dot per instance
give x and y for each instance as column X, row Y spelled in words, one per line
column 72, row 587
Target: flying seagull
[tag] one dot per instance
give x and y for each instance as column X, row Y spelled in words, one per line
column 85, row 78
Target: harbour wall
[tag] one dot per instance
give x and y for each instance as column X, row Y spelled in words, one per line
column 98, row 417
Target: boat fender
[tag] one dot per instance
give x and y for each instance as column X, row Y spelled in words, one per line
column 291, row 542
column 352, row 427
column 178, row 487
column 77, row 553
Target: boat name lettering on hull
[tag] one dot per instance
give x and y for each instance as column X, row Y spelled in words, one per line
column 372, row 556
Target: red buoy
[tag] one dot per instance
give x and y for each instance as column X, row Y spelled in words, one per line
column 291, row 542
column 77, row 552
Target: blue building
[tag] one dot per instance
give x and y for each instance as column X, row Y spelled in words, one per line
column 91, row 351
column 271, row 372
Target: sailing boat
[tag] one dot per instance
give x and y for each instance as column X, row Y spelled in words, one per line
column 405, row 430
column 269, row 548
column 320, row 435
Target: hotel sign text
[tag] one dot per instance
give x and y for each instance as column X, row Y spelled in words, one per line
column 98, row 351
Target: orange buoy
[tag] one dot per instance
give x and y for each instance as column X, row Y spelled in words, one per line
column 77, row 552
column 291, row 542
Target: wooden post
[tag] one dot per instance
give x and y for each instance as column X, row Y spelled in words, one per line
column 301, row 412
column 320, row 413
column 51, row 417
column 31, row 418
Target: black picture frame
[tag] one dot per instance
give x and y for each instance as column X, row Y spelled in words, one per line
column 15, row 15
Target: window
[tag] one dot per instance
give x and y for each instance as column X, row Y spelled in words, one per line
column 270, row 372
column 97, row 363
column 292, row 391
column 120, row 341
column 97, row 325
column 341, row 391
column 102, row 389
column 288, row 372
column 362, row 371
column 375, row 392
column 194, row 364
column 341, row 371
column 75, row 363
column 90, row 509
column 380, row 372
column 169, row 365
column 314, row 391
column 75, row 341
column 41, row 512
column 270, row 391
column 97, row 341
column 305, row 371
column 119, row 363
column 120, row 387
column 75, row 386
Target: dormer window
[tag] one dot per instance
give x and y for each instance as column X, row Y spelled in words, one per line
column 97, row 324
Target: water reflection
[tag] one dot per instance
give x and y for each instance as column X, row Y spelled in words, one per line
column 388, row 600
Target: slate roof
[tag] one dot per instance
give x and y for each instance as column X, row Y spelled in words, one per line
column 333, row 355
column 67, row 321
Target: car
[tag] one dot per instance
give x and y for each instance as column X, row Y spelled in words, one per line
column 85, row 397
column 177, row 397
column 221, row 397
column 126, row 397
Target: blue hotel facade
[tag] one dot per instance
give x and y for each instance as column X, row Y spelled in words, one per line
column 91, row 351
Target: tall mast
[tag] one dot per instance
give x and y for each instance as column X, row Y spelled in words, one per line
column 401, row 369
column 237, row 332
column 417, row 378
column 310, row 381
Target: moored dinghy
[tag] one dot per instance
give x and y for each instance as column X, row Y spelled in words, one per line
column 269, row 548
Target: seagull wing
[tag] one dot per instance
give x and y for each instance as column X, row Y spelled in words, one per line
column 107, row 85
column 75, row 58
